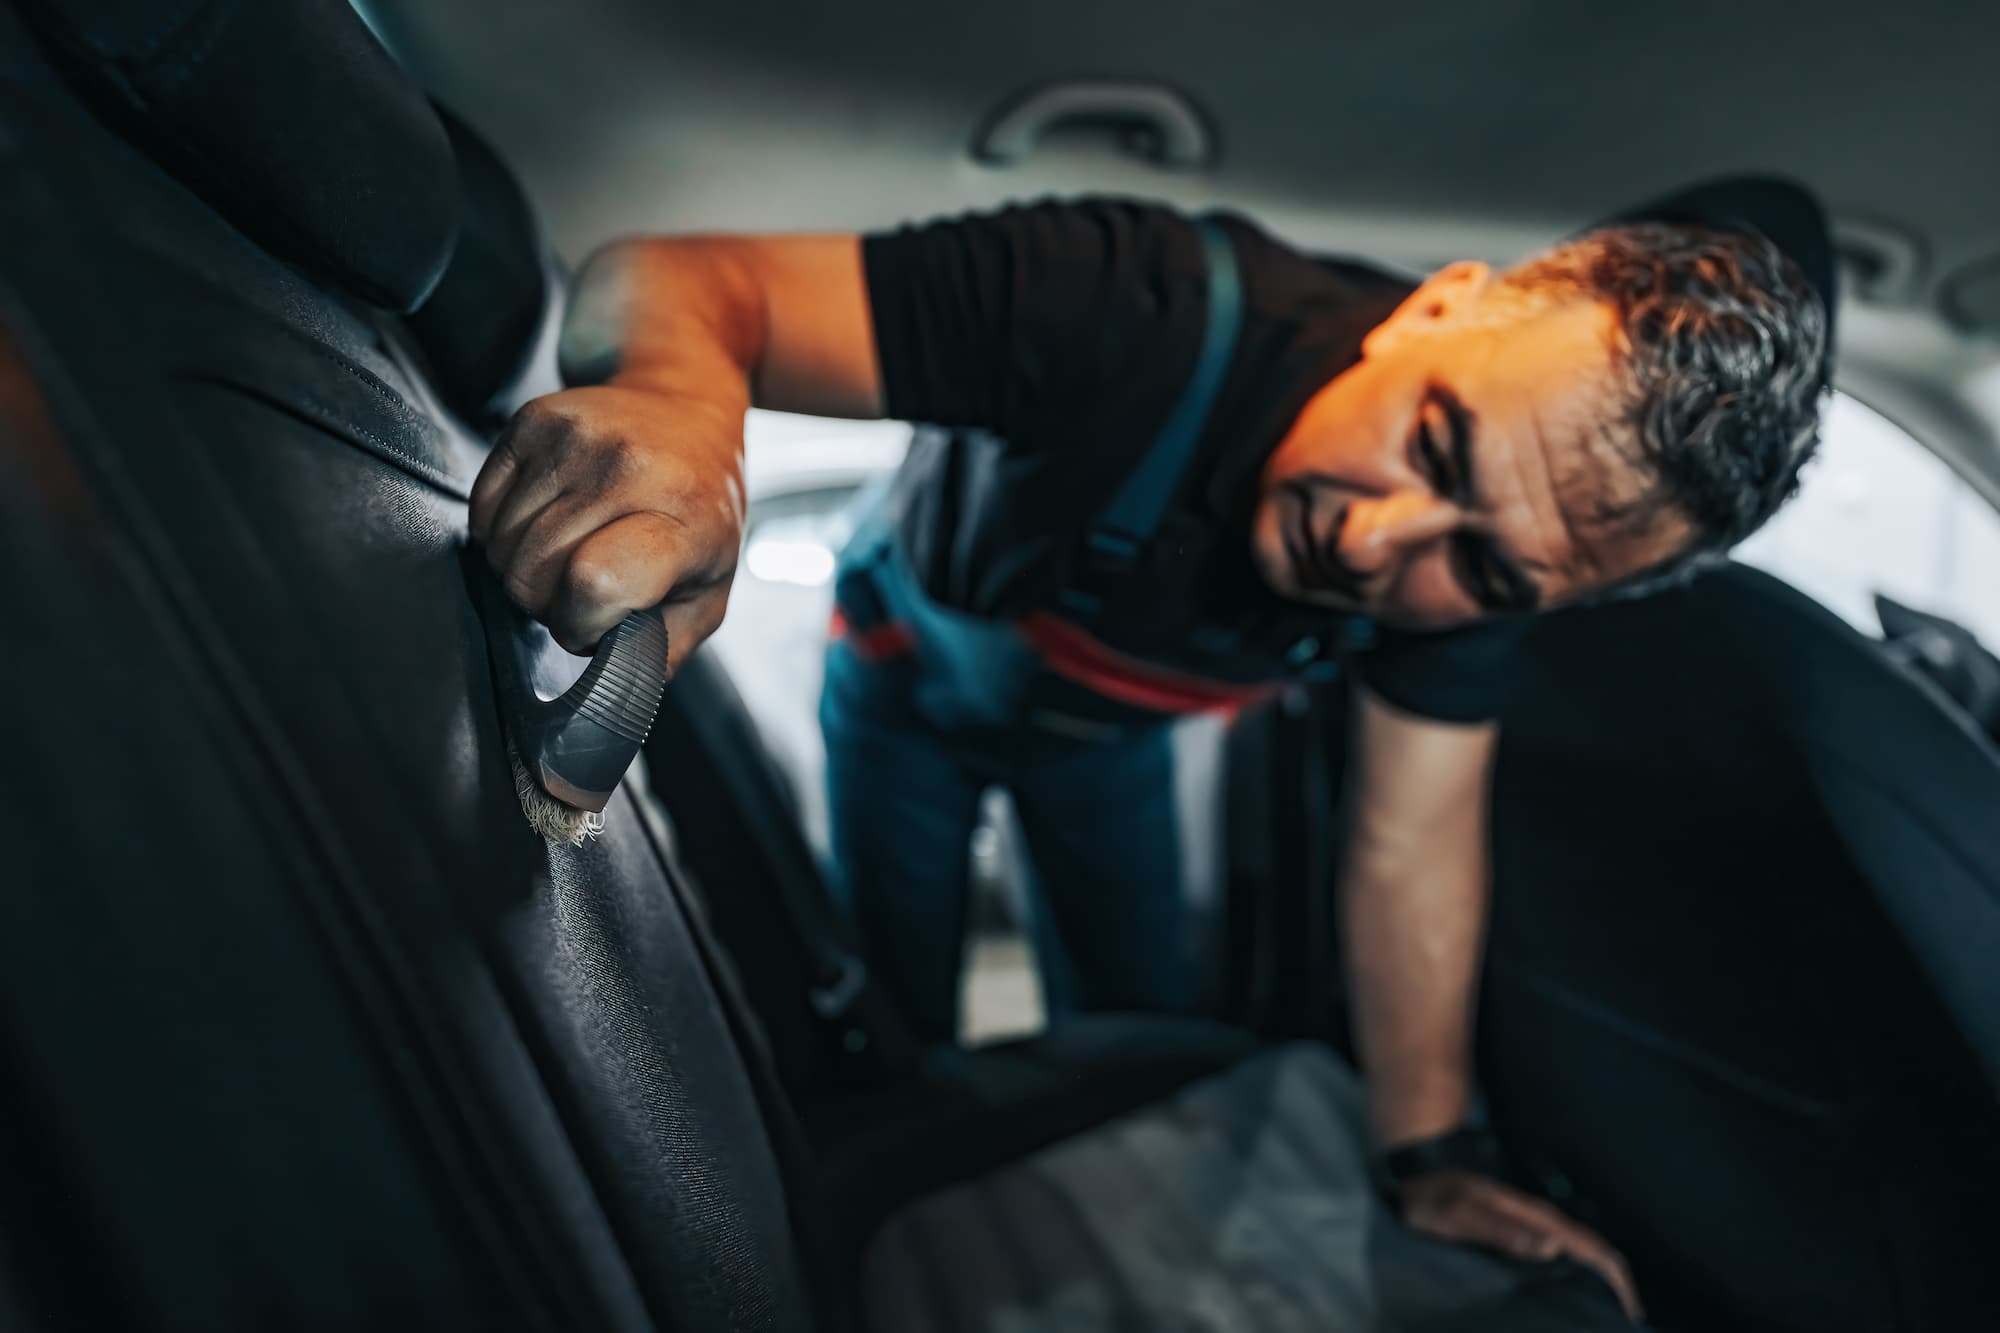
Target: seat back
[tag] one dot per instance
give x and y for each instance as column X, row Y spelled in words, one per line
column 1740, row 1001
column 1740, row 985
column 391, row 1060
column 831, row 1030
column 198, row 1129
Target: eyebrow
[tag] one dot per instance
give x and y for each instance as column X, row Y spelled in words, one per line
column 1518, row 592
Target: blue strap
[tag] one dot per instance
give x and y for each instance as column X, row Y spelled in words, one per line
column 1135, row 511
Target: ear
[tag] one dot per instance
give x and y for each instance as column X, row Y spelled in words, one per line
column 1443, row 297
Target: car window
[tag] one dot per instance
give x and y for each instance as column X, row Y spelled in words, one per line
column 1878, row 512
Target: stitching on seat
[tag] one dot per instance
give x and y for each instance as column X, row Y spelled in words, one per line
column 334, row 424
column 400, row 420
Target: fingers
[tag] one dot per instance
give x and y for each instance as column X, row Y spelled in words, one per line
column 1611, row 1266
column 522, row 476
column 537, row 556
column 1477, row 1211
column 604, row 500
column 496, row 475
column 1555, row 1235
column 1474, row 1217
column 519, row 448
column 690, row 623
column 633, row 563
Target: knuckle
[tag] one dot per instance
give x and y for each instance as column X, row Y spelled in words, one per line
column 517, row 441
column 673, row 472
column 540, row 412
column 503, row 457
column 618, row 454
column 616, row 461
column 546, row 425
column 592, row 582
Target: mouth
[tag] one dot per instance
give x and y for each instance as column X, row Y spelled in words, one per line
column 1315, row 562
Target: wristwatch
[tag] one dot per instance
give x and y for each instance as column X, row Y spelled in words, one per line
column 1470, row 1148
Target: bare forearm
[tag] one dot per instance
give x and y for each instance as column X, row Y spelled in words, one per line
column 625, row 491
column 1413, row 927
column 1413, row 902
column 683, row 316
column 781, row 321
column 1413, row 899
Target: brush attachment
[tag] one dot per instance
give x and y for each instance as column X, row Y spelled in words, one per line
column 568, row 753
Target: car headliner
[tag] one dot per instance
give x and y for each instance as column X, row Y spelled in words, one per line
column 1414, row 132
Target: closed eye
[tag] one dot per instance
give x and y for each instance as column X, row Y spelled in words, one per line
column 1441, row 445
column 1436, row 463
column 1468, row 553
column 1486, row 574
column 1472, row 567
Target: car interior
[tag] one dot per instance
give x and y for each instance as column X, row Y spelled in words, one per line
column 302, row 1027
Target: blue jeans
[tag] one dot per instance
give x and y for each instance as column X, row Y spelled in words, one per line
column 919, row 722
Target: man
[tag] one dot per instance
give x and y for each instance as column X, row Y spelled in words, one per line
column 1210, row 464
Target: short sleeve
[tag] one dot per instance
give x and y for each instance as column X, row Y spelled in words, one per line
column 1004, row 320
column 1459, row 676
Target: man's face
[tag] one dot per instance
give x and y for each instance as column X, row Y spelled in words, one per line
column 1463, row 466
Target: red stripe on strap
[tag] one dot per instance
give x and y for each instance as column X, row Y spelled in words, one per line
column 1075, row 656
column 878, row 644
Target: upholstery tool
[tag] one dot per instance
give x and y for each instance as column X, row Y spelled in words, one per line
column 570, row 750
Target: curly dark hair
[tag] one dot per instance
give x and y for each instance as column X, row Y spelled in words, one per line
column 1726, row 360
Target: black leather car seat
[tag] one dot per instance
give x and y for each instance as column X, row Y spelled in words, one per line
column 1742, row 974
column 1741, row 1007
column 211, row 212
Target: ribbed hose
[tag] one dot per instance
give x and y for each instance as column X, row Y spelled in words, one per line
column 622, row 686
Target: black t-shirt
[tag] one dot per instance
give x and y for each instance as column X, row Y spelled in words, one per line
column 1067, row 331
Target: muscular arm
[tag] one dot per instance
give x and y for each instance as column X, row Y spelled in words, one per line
column 1413, row 913
column 626, row 490
column 1413, row 904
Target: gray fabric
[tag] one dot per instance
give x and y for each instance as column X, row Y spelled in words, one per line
column 1241, row 1204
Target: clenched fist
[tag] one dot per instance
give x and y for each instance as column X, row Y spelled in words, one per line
column 606, row 499
column 626, row 491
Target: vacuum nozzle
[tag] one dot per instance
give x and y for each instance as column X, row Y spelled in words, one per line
column 576, row 746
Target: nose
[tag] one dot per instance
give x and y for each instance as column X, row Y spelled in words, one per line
column 1382, row 530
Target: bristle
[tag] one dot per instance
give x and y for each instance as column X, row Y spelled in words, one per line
column 555, row 821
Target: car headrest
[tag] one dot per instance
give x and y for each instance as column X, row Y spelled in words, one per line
column 1948, row 655
column 489, row 324
column 287, row 116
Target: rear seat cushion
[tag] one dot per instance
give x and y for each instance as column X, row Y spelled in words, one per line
column 972, row 1111
column 1243, row 1203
